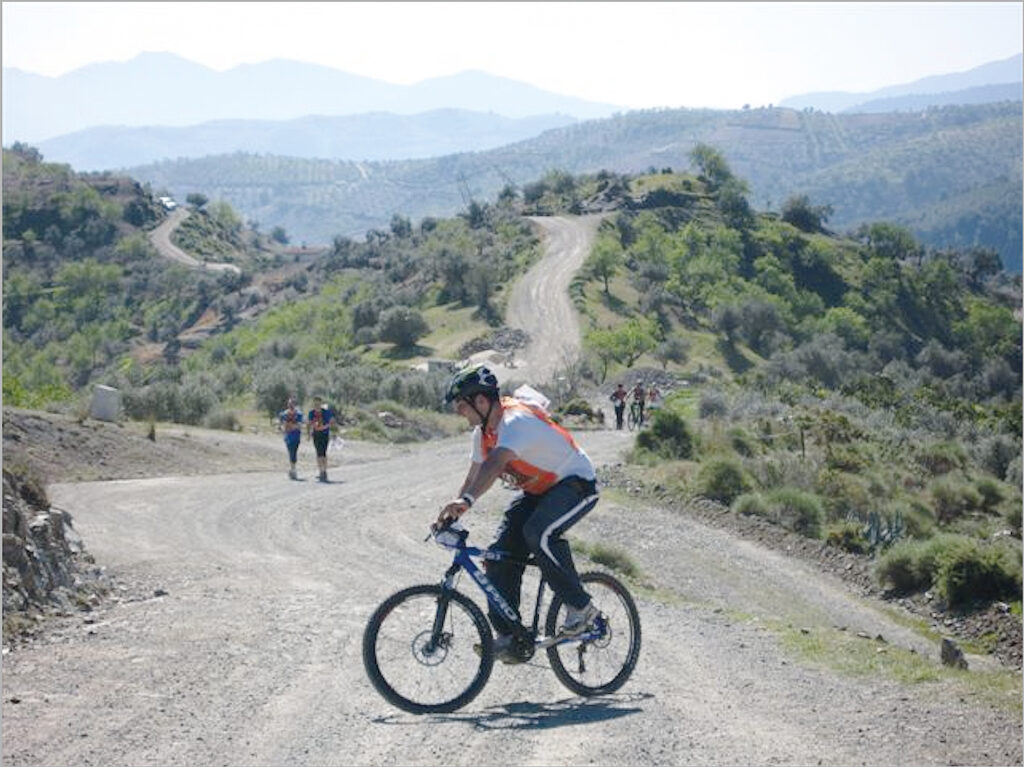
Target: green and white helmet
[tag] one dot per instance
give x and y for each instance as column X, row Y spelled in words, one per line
column 472, row 380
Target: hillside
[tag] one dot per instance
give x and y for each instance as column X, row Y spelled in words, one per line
column 900, row 167
column 918, row 102
column 85, row 292
column 375, row 136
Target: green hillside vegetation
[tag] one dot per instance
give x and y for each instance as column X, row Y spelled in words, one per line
column 952, row 175
column 402, row 296
column 86, row 297
column 91, row 302
column 864, row 391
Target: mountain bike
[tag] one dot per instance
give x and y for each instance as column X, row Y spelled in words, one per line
column 635, row 418
column 428, row 648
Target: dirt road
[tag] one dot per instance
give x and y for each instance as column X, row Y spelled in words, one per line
column 242, row 600
column 237, row 641
column 539, row 303
column 161, row 239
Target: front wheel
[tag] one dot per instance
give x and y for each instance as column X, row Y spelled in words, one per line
column 428, row 650
column 632, row 420
column 601, row 661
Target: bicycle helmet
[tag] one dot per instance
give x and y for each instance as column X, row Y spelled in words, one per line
column 472, row 380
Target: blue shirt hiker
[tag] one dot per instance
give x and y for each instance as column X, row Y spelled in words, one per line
column 290, row 422
column 319, row 426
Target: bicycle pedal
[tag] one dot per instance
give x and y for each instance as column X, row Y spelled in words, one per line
column 551, row 641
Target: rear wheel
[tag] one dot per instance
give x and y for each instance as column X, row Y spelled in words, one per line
column 418, row 649
column 601, row 661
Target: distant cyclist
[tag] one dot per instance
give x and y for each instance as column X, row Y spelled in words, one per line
column 517, row 441
column 639, row 395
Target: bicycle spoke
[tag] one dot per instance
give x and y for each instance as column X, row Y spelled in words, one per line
column 414, row 671
column 602, row 660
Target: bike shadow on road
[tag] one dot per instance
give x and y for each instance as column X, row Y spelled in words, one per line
column 524, row 715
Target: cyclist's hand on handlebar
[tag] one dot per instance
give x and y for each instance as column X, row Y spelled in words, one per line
column 452, row 511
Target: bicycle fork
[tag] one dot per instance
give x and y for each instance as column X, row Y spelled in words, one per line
column 438, row 637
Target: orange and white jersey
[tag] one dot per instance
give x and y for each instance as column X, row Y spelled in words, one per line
column 545, row 452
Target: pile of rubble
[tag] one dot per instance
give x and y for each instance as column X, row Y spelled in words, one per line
column 504, row 340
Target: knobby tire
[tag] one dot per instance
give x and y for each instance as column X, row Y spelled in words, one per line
column 609, row 595
column 391, row 687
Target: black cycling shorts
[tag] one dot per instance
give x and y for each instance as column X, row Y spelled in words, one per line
column 320, row 441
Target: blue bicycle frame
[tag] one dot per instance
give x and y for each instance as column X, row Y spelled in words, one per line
column 455, row 539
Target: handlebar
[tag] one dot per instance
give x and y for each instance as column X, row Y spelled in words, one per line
column 451, row 535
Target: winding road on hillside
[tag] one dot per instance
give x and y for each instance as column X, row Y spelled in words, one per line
column 235, row 636
column 539, row 302
column 160, row 237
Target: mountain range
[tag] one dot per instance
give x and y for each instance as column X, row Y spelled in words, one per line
column 166, row 90
column 180, row 109
column 972, row 86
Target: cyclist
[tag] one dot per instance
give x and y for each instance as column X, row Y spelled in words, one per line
column 638, row 400
column 517, row 441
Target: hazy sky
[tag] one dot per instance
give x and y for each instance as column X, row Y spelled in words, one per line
column 633, row 54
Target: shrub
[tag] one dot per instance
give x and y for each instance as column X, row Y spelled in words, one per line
column 713, row 405
column 972, row 572
column 1013, row 472
column 780, row 469
column 798, row 211
column 668, row 436
column 402, row 326
column 580, row 407
column 941, row 457
column 797, row 510
column 996, row 453
column 751, row 505
column 845, row 494
column 283, row 348
column 167, row 401
column 722, row 479
column 848, row 536
column 899, row 568
column 196, row 399
column 918, row 518
column 613, row 558
column 953, row 499
column 847, row 458
column 672, row 349
column 743, row 442
column 224, row 420
column 1013, row 517
column 365, row 336
column 962, row 570
column 990, row 492
column 274, row 384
